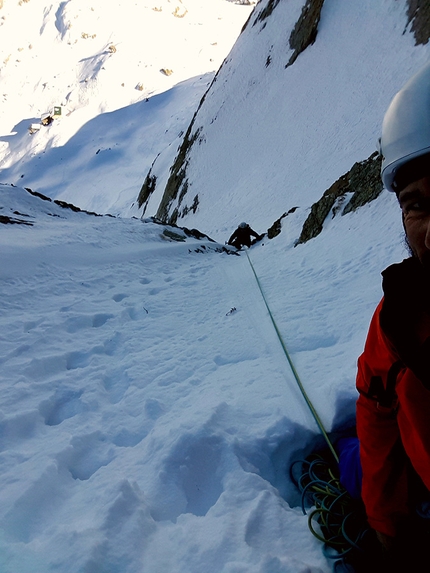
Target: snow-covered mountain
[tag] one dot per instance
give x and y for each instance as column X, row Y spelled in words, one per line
column 296, row 104
column 148, row 414
column 132, row 71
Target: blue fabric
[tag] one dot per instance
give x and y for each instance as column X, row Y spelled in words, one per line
column 348, row 450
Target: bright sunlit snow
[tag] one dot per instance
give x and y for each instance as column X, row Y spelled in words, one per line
column 148, row 414
column 127, row 77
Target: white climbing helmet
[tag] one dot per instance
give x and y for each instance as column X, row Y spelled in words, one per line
column 406, row 126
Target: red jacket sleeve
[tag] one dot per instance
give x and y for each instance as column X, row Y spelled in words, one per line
column 384, row 487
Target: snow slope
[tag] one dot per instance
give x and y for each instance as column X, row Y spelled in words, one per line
column 146, row 425
column 279, row 136
column 100, row 64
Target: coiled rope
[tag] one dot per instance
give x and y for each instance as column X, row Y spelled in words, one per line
column 293, row 369
column 342, row 524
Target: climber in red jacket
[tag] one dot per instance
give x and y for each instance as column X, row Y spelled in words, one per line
column 393, row 381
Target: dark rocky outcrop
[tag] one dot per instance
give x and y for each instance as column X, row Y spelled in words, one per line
column 363, row 181
column 174, row 236
column 179, row 234
column 75, row 209
column 37, row 194
column 5, row 220
column 180, row 231
column 247, row 21
column 177, row 184
column 267, row 11
column 419, row 16
column 192, row 208
column 276, row 228
column 62, row 204
column 305, row 31
column 146, row 191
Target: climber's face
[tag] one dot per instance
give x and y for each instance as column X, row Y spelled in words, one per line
column 414, row 201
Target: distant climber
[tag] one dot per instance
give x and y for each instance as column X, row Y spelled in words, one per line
column 242, row 236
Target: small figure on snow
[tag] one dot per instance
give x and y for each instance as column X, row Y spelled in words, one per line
column 242, row 236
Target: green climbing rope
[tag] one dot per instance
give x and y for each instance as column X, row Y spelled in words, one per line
column 290, row 362
column 340, row 520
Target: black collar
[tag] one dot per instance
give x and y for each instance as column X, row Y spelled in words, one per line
column 406, row 313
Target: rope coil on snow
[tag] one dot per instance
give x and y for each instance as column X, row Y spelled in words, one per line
column 341, row 520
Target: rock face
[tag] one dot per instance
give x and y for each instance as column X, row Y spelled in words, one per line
column 276, row 228
column 306, row 29
column 146, row 191
column 419, row 16
column 267, row 11
column 363, row 181
column 177, row 184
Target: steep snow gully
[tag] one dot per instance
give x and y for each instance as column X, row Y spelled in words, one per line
column 144, row 391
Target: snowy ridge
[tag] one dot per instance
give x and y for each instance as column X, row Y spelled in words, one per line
column 280, row 135
column 90, row 61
